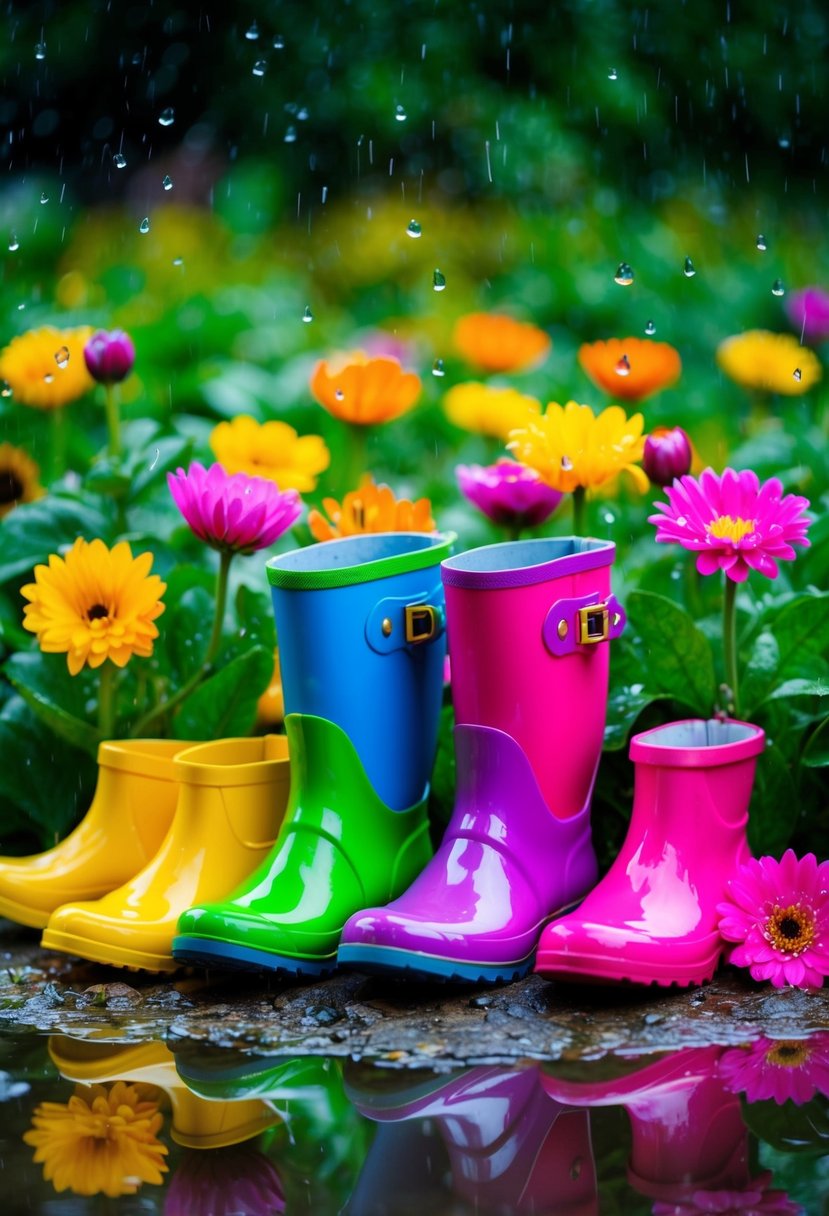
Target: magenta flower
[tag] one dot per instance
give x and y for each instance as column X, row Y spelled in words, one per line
column 785, row 1070
column 109, row 357
column 667, row 454
column 755, row 1199
column 808, row 311
column 778, row 912
column 233, row 1181
column 508, row 493
column 235, row 513
column 732, row 522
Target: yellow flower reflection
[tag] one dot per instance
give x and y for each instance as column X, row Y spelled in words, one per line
column 573, row 448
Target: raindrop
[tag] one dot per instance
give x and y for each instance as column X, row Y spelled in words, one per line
column 414, row 229
column 167, row 182
column 650, row 329
column 144, row 226
column 307, row 315
column 623, row 366
column 613, row 74
column 609, row 517
column 777, row 288
column 324, row 194
column 5, row 388
column 797, row 374
column 252, row 33
column 14, row 243
column 302, row 114
column 762, row 244
column 40, row 50
column 339, row 394
column 178, row 261
column 48, row 378
column 400, row 113
column 167, row 117
column 688, row 269
column 439, row 280
column 290, row 135
column 62, row 356
column 438, row 368
column 566, row 464
column 119, row 160
column 260, row 67
column 44, row 198
column 154, row 463
column 623, row 275
column 279, row 43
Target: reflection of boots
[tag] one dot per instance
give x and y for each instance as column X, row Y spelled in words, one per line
column 687, row 1131
column 510, row 1147
column 195, row 1122
column 231, row 798
column 528, row 625
column 130, row 812
column 653, row 917
column 360, row 627
column 234, row 1181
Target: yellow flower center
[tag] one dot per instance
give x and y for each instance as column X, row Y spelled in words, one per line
column 726, row 527
column 11, row 487
column 790, row 930
column 97, row 612
column 788, row 1054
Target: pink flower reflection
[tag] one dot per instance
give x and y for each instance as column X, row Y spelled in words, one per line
column 783, row 1070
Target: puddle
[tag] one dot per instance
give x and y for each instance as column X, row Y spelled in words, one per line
column 100, row 1124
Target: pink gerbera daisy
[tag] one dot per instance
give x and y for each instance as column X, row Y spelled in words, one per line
column 732, row 522
column 781, row 1069
column 233, row 512
column 756, row 1199
column 778, row 911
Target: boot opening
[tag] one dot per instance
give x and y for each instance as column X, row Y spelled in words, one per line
column 700, row 733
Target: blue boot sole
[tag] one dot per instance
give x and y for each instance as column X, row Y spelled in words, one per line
column 405, row 964
column 204, row 952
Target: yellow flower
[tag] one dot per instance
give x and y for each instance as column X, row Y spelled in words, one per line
column 270, row 449
column 488, row 411
column 571, row 447
column 497, row 343
column 103, row 1141
column 95, row 604
column 365, row 391
column 270, row 708
column 773, row 363
column 371, row 508
column 45, row 367
column 18, row 478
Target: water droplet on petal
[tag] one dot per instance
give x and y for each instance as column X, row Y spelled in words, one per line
column 119, row 160
column 623, row 275
column 439, row 280
column 167, row 117
column 681, row 521
column 44, row 198
column 797, row 374
column 613, row 74
column 339, row 394
column 48, row 378
column 178, row 261
column 14, row 243
column 144, row 226
column 438, row 368
column 414, row 229
column 777, row 288
column 40, row 50
column 260, row 67
column 688, row 269
column 566, row 464
column 62, row 356
column 762, row 243
column 167, row 182
column 252, row 32
column 623, row 366
column 290, row 135
column 5, row 388
column 650, row 329
column 307, row 315
column 279, row 43
column 400, row 113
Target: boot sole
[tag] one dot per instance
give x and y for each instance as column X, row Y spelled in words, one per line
column 98, row 952
column 203, row 952
column 586, row 970
column 383, row 960
column 32, row 918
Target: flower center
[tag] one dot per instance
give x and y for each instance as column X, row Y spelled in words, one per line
column 97, row 612
column 790, row 930
column 788, row 1055
column 10, row 487
column 726, row 527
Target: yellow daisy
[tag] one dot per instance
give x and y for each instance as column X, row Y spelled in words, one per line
column 18, row 478
column 270, row 449
column 572, row 448
column 488, row 411
column 772, row 363
column 45, row 367
column 95, row 604
column 371, row 508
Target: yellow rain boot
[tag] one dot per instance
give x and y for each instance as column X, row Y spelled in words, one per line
column 130, row 813
column 232, row 796
column 196, row 1122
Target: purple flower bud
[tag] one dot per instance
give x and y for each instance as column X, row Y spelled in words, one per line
column 109, row 357
column 808, row 312
column 668, row 454
column 508, row 492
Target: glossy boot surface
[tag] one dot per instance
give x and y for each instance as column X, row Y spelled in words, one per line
column 653, row 917
column 128, row 817
column 232, row 796
column 528, row 625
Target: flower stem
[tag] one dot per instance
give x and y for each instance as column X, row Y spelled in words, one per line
column 57, row 445
column 513, row 531
column 729, row 637
column 579, row 511
column 113, row 421
column 106, row 701
column 356, row 461
column 166, row 707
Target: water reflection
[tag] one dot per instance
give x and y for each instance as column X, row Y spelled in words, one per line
column 211, row 1132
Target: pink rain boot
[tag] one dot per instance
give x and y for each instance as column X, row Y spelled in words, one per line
column 653, row 917
column 688, row 1134
column 511, row 1148
column 528, row 624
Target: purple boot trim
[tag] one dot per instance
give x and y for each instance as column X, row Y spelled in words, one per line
column 506, row 865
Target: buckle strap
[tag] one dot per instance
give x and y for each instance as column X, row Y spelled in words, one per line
column 581, row 621
column 407, row 621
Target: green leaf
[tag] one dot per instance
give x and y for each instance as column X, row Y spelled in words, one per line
column 790, row 1128
column 225, row 704
column 774, row 805
column 816, row 751
column 54, row 696
column 254, row 613
column 761, row 669
column 800, row 688
column 801, row 631
column 623, row 708
column 150, row 468
column 35, row 529
column 675, row 657
column 187, row 627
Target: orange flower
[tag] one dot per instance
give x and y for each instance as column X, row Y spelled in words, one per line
column 371, row 508
column 497, row 343
column 631, row 368
column 364, row 391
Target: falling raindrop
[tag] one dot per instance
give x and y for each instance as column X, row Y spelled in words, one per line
column 566, row 464
column 167, row 182
column 307, row 315
column 688, row 269
column 40, row 50
column 260, row 67
column 62, row 357
column 400, row 113
column 414, row 229
column 44, row 198
column 623, row 366
column 290, row 135
column 439, row 280
column 252, row 32
column 762, row 244
column 167, row 117
column 650, row 329
column 797, row 374
column 119, row 160
column 5, row 388
column 178, row 261
column 777, row 288
column 14, row 243
column 438, row 368
column 279, row 43
column 144, row 226
column 613, row 74
column 324, row 194
column 623, row 275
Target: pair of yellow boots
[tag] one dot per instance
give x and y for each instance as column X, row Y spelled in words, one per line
column 171, row 825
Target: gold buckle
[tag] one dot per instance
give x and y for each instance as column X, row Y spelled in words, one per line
column 421, row 623
column 594, row 624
